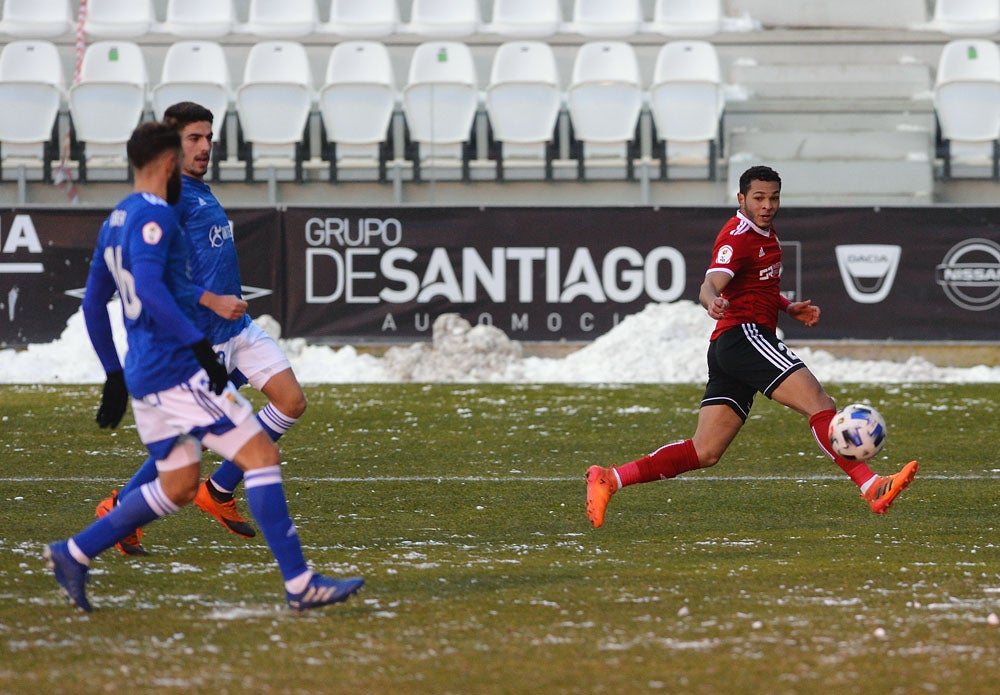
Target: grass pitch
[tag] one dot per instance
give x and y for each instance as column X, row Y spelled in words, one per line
column 462, row 506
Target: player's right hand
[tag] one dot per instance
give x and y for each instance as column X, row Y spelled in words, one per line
column 230, row 307
column 218, row 377
column 114, row 400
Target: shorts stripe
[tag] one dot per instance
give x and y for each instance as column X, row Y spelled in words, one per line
column 731, row 402
column 203, row 399
column 766, row 350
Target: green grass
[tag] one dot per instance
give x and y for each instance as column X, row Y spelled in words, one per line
column 463, row 508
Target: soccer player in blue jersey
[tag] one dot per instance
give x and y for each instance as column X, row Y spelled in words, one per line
column 249, row 354
column 181, row 396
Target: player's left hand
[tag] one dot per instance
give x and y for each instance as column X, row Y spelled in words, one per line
column 114, row 401
column 804, row 312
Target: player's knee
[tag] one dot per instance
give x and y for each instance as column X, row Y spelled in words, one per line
column 291, row 405
column 297, row 406
column 708, row 458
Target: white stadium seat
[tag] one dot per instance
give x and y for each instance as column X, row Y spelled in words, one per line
column 526, row 19
column 274, row 102
column 31, row 92
column 281, row 19
column 606, row 20
column 444, row 19
column 967, row 98
column 604, row 100
column 362, row 19
column 119, row 19
column 37, row 19
column 440, row 101
column 109, row 100
column 523, row 101
column 686, row 18
column 686, row 100
column 194, row 71
column 356, row 103
column 197, row 71
column 199, row 19
column 967, row 17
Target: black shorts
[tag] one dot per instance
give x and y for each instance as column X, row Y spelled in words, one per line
column 744, row 360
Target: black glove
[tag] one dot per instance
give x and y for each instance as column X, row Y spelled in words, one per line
column 218, row 377
column 114, row 400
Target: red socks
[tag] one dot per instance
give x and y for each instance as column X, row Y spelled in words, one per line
column 858, row 471
column 666, row 462
column 680, row 457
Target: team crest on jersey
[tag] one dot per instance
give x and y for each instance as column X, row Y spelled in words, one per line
column 152, row 233
column 725, row 255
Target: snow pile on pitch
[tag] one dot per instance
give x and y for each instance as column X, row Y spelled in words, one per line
column 664, row 343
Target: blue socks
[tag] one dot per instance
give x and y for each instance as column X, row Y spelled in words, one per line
column 146, row 474
column 228, row 475
column 267, row 503
column 132, row 512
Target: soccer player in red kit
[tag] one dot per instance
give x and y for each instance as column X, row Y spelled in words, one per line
column 745, row 356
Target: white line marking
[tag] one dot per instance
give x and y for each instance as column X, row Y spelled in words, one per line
column 693, row 478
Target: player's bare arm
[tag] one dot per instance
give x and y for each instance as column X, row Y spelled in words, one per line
column 228, row 306
column 710, row 294
column 805, row 311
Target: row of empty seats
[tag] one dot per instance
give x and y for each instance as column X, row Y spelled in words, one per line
column 376, row 19
column 295, row 19
column 358, row 97
column 439, row 102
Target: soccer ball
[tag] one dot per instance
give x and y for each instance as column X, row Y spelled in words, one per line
column 857, row 432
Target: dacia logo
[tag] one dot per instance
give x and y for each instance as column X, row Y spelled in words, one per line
column 868, row 270
column 969, row 274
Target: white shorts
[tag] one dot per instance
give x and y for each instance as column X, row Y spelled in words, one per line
column 252, row 357
column 222, row 423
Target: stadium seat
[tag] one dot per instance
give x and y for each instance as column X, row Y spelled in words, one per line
column 199, row 19
column 687, row 101
column 523, row 101
column 362, row 19
column 440, row 101
column 281, row 19
column 356, row 103
column 37, row 19
column 119, row 19
column 526, row 19
column 606, row 20
column 604, row 100
column 444, row 19
column 273, row 104
column 967, row 99
column 967, row 17
column 686, row 18
column 196, row 71
column 31, row 92
column 108, row 102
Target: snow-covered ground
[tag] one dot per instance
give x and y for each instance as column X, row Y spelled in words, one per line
column 664, row 343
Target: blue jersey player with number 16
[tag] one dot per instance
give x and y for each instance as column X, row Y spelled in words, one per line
column 250, row 355
column 181, row 397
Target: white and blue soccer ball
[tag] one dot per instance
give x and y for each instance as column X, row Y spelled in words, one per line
column 857, row 432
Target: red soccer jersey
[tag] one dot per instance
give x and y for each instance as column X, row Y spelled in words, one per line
column 752, row 257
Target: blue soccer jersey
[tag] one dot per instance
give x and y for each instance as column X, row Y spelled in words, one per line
column 142, row 253
column 214, row 264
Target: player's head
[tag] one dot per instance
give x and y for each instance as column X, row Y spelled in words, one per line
column 154, row 150
column 760, row 195
column 194, row 124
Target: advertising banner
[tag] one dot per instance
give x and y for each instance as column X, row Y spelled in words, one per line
column 45, row 257
column 542, row 274
column 574, row 273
